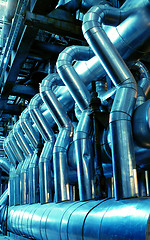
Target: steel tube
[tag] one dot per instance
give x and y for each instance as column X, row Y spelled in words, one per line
column 72, row 220
column 120, row 116
column 60, row 164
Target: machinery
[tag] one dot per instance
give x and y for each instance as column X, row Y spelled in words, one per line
column 75, row 87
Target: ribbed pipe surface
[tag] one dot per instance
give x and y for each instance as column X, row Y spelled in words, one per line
column 91, row 220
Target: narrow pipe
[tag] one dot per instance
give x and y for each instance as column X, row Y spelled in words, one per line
column 46, row 155
column 64, row 137
column 26, row 125
column 15, row 148
column 22, row 140
column 122, row 108
column 24, row 173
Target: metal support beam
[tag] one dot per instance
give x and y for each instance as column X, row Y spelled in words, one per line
column 18, row 59
column 59, row 22
column 23, row 91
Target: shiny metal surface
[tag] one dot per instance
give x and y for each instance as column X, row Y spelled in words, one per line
column 16, row 149
column 21, row 139
column 63, row 139
column 72, row 220
column 70, row 77
column 141, row 125
column 5, row 165
column 17, row 186
column 34, row 178
column 24, row 181
column 45, row 172
column 84, row 156
column 9, row 152
column 120, row 116
column 38, row 118
column 27, row 127
column 46, row 155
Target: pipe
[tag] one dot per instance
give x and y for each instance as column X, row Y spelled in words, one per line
column 26, row 125
column 17, row 185
column 24, row 174
column 84, row 158
column 3, row 202
column 72, row 220
column 125, row 183
column 70, row 77
column 15, row 148
column 21, row 139
column 82, row 97
column 46, row 155
column 5, row 165
column 9, row 152
column 63, row 139
column 141, row 125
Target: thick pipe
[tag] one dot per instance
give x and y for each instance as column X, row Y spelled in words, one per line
column 46, row 155
column 141, row 125
column 70, row 77
column 63, row 139
column 97, row 220
column 84, row 158
column 120, row 116
column 82, row 97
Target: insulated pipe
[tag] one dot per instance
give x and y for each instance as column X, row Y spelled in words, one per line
column 63, row 139
column 5, row 165
column 46, row 155
column 84, row 158
column 3, row 201
column 21, row 139
column 70, row 77
column 9, row 152
column 97, row 220
column 82, row 97
column 26, row 125
column 15, row 148
column 24, row 181
column 143, row 83
column 125, row 183
column 141, row 125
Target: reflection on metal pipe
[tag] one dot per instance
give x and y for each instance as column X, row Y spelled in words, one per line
column 105, row 219
column 60, row 164
column 46, row 155
column 120, row 116
column 84, row 158
column 27, row 127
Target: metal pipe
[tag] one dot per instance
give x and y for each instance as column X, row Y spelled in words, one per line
column 46, row 155
column 125, row 183
column 82, row 97
column 26, row 125
column 70, row 77
column 5, row 165
column 9, row 152
column 103, row 219
column 84, row 158
column 21, row 139
column 15, row 148
column 63, row 139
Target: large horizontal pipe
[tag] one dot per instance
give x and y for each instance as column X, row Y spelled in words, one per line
column 105, row 219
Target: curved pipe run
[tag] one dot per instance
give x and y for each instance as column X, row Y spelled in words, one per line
column 60, row 164
column 125, row 183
